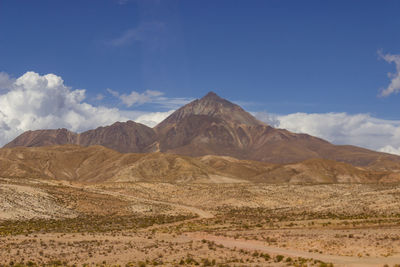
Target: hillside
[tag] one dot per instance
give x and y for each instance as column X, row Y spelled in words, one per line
column 99, row 164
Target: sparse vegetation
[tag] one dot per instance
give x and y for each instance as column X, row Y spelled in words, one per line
column 141, row 228
column 86, row 224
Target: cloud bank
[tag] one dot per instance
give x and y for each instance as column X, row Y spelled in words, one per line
column 342, row 128
column 34, row 102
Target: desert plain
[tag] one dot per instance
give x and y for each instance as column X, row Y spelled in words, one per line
column 45, row 222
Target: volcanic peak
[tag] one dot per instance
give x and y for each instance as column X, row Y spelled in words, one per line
column 213, row 106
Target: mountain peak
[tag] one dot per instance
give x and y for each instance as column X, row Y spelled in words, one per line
column 214, row 106
column 211, row 95
column 213, row 99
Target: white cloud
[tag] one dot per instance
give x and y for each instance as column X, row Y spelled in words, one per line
column 390, row 149
column 34, row 102
column 149, row 96
column 341, row 128
column 135, row 98
column 152, row 119
column 394, row 86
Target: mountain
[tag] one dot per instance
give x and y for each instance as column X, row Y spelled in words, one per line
column 121, row 136
column 210, row 125
column 213, row 126
column 99, row 164
column 44, row 138
column 211, row 105
column 124, row 137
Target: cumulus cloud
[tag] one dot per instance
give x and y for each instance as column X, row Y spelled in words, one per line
column 394, row 86
column 342, row 128
column 149, row 96
column 35, row 102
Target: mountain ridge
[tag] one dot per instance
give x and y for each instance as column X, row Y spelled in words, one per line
column 211, row 126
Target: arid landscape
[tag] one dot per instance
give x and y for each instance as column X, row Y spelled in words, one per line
column 48, row 222
column 191, row 200
column 224, row 133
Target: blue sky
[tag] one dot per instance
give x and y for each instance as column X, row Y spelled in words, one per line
column 274, row 56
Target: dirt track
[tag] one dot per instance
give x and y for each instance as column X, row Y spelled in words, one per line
column 200, row 212
column 260, row 246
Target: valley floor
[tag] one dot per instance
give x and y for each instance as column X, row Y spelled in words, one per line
column 55, row 223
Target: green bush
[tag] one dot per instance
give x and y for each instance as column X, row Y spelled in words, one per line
column 279, row 258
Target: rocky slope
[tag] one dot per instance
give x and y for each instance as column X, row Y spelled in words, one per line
column 44, row 138
column 125, row 137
